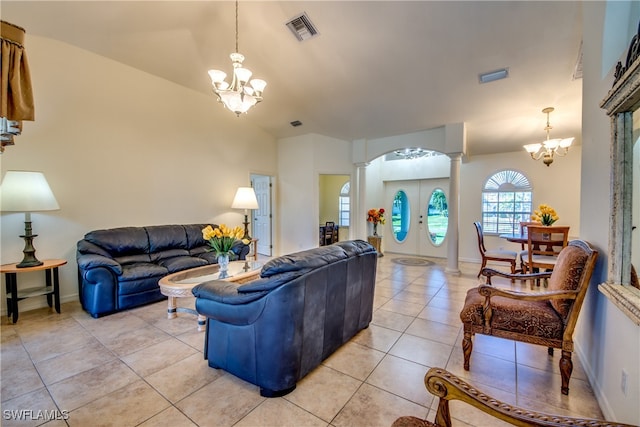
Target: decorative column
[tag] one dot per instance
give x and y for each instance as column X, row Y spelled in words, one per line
column 454, row 199
column 358, row 200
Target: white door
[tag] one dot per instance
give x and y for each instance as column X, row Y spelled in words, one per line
column 262, row 216
column 409, row 216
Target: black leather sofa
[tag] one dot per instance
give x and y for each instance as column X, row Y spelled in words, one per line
column 119, row 268
column 275, row 330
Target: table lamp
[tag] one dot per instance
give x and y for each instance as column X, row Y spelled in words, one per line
column 25, row 191
column 245, row 199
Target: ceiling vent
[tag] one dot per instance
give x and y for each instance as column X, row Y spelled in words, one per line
column 492, row 76
column 577, row 70
column 301, row 27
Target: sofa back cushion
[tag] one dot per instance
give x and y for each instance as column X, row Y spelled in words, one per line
column 194, row 235
column 166, row 237
column 307, row 260
column 121, row 242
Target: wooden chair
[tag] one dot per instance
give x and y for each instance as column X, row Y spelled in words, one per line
column 544, row 243
column 509, row 257
column 446, row 386
column 524, row 253
column 545, row 318
column 329, row 227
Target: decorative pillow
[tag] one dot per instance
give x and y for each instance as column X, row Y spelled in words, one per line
column 566, row 276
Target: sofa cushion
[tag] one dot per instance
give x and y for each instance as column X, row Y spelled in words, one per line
column 309, row 259
column 355, row 247
column 120, row 241
column 225, row 292
column 168, row 253
column 566, row 276
column 194, row 234
column 133, row 259
column 272, row 282
column 181, row 263
column 142, row 270
column 163, row 237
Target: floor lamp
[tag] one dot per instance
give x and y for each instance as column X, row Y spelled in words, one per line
column 25, row 191
column 245, row 199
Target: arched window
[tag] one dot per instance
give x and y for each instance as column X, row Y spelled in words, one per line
column 345, row 206
column 506, row 201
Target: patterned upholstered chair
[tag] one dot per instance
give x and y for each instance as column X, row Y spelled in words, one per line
column 447, row 386
column 545, row 318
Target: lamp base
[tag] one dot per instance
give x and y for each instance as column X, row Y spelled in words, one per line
column 246, row 227
column 29, row 251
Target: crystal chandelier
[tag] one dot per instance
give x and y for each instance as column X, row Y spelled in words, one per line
column 546, row 149
column 241, row 94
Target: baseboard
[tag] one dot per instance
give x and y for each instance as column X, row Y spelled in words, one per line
column 601, row 398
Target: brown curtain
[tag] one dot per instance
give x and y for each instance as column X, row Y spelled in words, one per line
column 16, row 94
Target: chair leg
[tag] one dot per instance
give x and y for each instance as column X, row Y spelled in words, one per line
column 467, row 346
column 566, row 367
column 484, row 263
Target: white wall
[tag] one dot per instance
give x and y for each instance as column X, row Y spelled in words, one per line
column 120, row 147
column 606, row 340
column 301, row 160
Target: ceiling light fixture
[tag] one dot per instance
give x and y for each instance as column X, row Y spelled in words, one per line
column 548, row 148
column 240, row 95
column 414, row 153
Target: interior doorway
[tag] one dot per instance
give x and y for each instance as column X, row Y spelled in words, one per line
column 334, row 204
column 263, row 216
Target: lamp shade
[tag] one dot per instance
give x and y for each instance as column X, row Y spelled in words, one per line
column 26, row 191
column 245, row 199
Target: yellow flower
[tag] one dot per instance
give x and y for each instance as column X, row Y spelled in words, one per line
column 222, row 238
column 545, row 215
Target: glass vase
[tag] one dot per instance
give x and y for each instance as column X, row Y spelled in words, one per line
column 223, row 264
column 375, row 229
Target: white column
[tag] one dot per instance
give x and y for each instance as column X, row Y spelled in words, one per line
column 454, row 201
column 359, row 214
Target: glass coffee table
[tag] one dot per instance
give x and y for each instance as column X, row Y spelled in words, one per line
column 179, row 284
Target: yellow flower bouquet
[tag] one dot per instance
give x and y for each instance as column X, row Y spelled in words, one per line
column 222, row 238
column 545, row 215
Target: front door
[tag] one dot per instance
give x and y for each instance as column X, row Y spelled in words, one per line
column 417, row 217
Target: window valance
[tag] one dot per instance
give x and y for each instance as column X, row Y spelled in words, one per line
column 16, row 94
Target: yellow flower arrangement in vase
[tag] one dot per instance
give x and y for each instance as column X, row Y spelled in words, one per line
column 221, row 240
column 545, row 215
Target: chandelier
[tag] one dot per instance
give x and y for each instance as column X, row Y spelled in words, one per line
column 241, row 94
column 414, row 153
column 547, row 149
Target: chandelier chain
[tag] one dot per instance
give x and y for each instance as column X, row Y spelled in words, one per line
column 237, row 26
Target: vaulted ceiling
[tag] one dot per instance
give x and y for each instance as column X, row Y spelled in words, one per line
column 376, row 69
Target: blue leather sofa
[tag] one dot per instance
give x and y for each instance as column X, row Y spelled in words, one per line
column 119, row 268
column 273, row 331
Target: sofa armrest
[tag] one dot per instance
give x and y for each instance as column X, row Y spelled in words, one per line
column 86, row 262
column 220, row 300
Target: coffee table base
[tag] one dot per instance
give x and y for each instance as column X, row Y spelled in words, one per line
column 173, row 309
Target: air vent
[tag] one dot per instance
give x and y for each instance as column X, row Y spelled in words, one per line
column 577, row 71
column 492, row 76
column 301, row 27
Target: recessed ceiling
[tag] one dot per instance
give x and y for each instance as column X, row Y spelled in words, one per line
column 379, row 68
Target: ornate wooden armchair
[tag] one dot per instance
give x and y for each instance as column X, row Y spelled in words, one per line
column 447, row 386
column 545, row 318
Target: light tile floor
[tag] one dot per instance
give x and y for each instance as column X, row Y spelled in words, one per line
column 137, row 368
